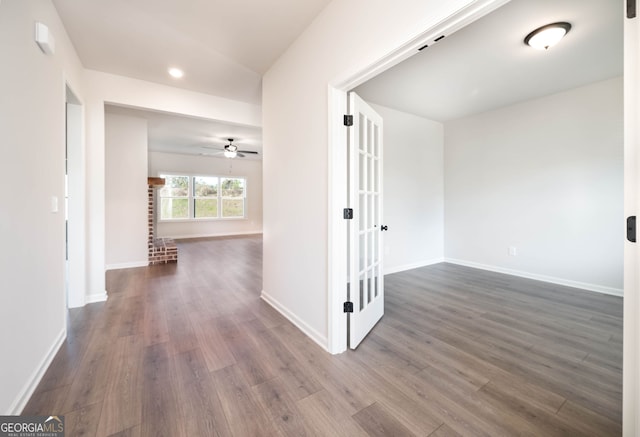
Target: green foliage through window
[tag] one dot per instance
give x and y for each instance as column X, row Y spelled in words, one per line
column 198, row 197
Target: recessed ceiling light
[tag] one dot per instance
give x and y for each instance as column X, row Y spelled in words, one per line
column 176, row 72
column 547, row 36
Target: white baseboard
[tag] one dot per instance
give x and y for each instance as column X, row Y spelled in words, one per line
column 223, row 234
column 96, row 297
column 26, row 393
column 553, row 280
column 314, row 335
column 127, row 265
column 397, row 269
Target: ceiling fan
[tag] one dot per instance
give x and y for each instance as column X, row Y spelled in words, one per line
column 231, row 150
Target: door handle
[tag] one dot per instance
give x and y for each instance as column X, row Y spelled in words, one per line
column 384, row 227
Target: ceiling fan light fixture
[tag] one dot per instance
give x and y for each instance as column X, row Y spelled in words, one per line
column 547, row 36
column 230, row 154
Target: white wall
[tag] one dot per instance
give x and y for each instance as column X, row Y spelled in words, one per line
column 251, row 169
column 32, row 132
column 544, row 176
column 413, row 190
column 126, row 191
column 347, row 37
column 104, row 88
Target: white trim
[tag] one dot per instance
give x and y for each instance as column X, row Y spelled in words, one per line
column 96, row 297
column 631, row 330
column 416, row 265
column 320, row 339
column 337, row 177
column 26, row 393
column 337, row 228
column 201, row 219
column 456, row 21
column 223, row 234
column 129, row 265
column 76, row 207
column 551, row 279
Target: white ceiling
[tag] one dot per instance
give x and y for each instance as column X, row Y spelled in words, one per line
column 173, row 133
column 486, row 65
column 223, row 46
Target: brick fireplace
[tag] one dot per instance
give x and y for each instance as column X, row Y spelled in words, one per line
column 161, row 250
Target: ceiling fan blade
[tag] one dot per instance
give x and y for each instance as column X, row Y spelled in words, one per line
column 211, row 148
column 241, row 155
column 248, row 151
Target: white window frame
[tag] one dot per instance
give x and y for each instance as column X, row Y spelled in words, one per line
column 222, row 198
column 188, row 197
column 192, row 197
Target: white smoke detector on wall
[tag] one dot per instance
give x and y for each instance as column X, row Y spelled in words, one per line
column 45, row 39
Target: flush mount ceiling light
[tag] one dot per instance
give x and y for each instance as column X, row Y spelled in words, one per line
column 547, row 36
column 176, row 72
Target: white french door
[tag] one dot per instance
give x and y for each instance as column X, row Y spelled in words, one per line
column 366, row 281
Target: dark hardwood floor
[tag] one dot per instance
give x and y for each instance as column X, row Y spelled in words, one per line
column 191, row 350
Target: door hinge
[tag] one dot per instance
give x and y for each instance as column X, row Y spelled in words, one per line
column 631, row 228
column 347, row 213
column 348, row 120
column 348, row 307
column 631, row 8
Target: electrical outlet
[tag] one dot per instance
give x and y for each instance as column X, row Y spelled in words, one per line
column 513, row 251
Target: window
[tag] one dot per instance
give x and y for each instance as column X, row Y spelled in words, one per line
column 202, row 197
column 205, row 197
column 174, row 197
column 232, row 197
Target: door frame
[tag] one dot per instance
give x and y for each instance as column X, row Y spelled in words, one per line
column 337, row 158
column 337, row 199
column 75, row 267
column 631, row 325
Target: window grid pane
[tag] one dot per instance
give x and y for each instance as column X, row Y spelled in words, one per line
column 205, row 208
column 174, row 197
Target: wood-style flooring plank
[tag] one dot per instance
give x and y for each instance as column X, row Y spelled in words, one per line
column 161, row 407
column 213, row 346
column 131, row 432
column 244, row 413
column 444, row 431
column 202, row 412
column 324, row 417
column 377, row 422
column 280, row 405
column 122, row 405
column 190, row 349
column 82, row 422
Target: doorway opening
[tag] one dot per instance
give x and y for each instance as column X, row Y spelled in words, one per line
column 338, row 102
column 409, row 88
column 74, row 207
